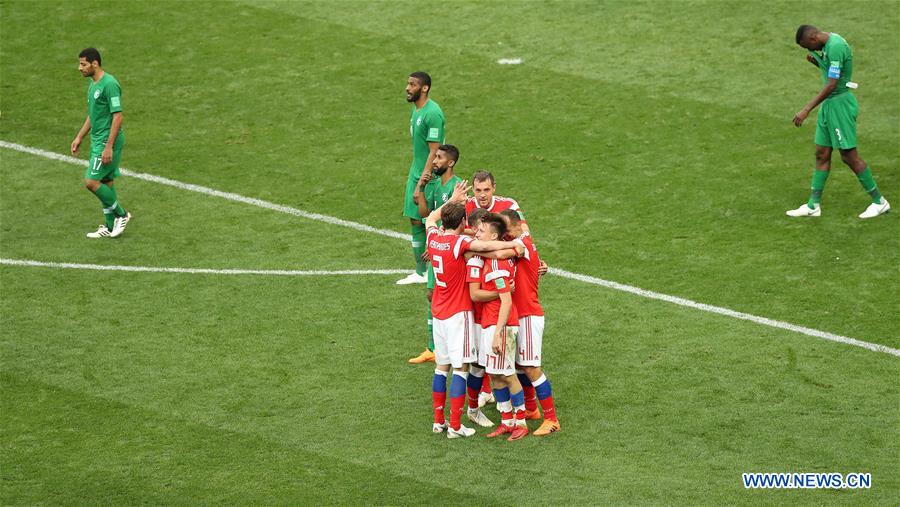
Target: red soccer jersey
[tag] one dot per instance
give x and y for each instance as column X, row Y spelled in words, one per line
column 525, row 297
column 473, row 274
column 497, row 205
column 451, row 292
column 495, row 277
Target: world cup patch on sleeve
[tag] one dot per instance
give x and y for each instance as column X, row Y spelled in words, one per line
column 115, row 102
column 500, row 283
column 434, row 132
column 834, row 70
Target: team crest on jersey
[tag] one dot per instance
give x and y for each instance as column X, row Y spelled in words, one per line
column 444, row 197
column 418, row 121
column 96, row 94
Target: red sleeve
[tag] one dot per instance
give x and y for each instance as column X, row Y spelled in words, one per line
column 461, row 246
column 473, row 269
column 497, row 275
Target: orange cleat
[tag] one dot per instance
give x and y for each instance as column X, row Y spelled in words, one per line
column 547, row 427
column 503, row 429
column 532, row 415
column 424, row 357
column 518, row 432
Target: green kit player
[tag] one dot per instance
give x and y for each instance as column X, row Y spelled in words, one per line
column 430, row 194
column 426, row 127
column 836, row 126
column 104, row 121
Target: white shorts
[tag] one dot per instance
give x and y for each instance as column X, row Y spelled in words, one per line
column 454, row 340
column 505, row 363
column 531, row 339
column 479, row 349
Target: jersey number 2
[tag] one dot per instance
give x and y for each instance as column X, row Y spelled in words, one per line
column 437, row 265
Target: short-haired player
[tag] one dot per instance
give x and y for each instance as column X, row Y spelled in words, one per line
column 484, row 188
column 531, row 330
column 500, row 322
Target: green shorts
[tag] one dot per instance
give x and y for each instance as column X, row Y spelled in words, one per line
column 836, row 125
column 96, row 170
column 410, row 209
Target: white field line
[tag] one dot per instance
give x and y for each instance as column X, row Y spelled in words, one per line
column 394, row 234
column 725, row 311
column 215, row 193
column 202, row 271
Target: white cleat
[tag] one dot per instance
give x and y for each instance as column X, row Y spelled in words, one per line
column 462, row 432
column 876, row 209
column 485, row 398
column 805, row 211
column 412, row 278
column 101, row 232
column 438, row 427
column 478, row 417
column 119, row 225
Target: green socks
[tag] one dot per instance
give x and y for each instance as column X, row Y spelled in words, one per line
column 818, row 185
column 418, row 247
column 868, row 183
column 111, row 207
column 430, row 329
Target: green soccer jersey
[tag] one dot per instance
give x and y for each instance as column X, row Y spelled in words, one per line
column 426, row 125
column 835, row 62
column 436, row 193
column 103, row 98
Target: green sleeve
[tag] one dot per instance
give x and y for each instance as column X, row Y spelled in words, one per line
column 429, row 194
column 434, row 121
column 114, row 96
column 837, row 60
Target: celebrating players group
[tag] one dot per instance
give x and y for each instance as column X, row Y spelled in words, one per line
column 482, row 274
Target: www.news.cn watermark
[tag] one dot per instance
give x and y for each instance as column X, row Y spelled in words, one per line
column 827, row 480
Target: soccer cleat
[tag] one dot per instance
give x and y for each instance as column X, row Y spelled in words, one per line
column 119, row 225
column 412, row 278
column 424, row 357
column 503, row 429
column 438, row 427
column 101, row 232
column 547, row 427
column 805, row 211
column 462, row 432
column 532, row 415
column 876, row 209
column 478, row 417
column 518, row 433
column 485, row 398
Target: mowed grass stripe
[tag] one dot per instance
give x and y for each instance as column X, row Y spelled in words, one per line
column 200, row 271
column 573, row 54
column 560, row 272
column 77, row 447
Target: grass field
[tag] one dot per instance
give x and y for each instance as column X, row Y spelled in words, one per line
column 649, row 143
